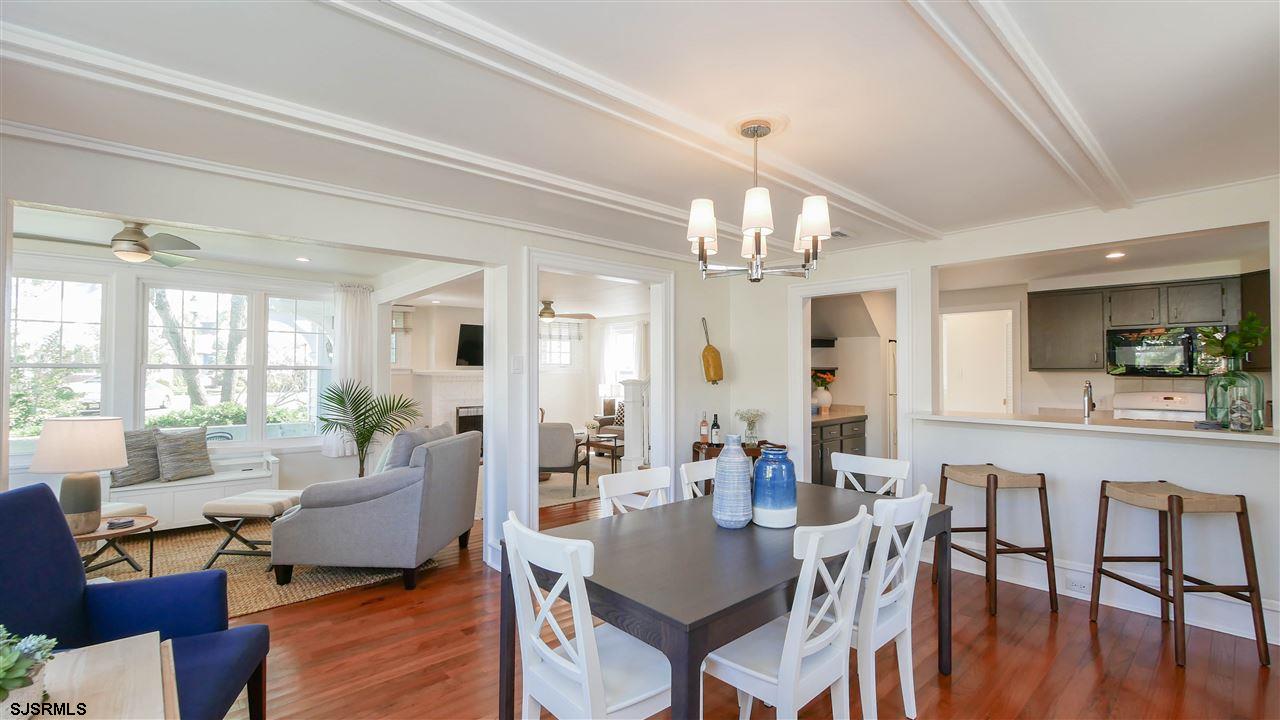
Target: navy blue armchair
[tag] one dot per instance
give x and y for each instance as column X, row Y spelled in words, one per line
column 45, row 592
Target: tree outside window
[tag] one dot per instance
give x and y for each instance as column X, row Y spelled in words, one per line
column 55, row 354
column 299, row 363
column 197, row 367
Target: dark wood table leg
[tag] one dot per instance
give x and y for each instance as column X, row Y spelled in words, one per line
column 507, row 644
column 686, row 656
column 943, row 566
column 151, row 552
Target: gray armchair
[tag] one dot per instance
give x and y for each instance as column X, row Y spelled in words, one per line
column 395, row 519
column 560, row 450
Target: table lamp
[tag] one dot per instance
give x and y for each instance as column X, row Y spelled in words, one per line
column 80, row 447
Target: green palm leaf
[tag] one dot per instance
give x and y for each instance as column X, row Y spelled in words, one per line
column 351, row 409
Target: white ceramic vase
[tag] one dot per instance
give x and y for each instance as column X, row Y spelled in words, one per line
column 821, row 397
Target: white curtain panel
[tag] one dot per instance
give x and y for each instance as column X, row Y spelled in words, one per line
column 352, row 349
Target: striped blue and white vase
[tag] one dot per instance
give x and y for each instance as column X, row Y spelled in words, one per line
column 731, row 500
column 774, row 496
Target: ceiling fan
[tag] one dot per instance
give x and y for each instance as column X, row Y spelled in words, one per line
column 133, row 245
column 548, row 313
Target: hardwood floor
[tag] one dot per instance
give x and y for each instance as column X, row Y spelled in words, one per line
column 384, row 652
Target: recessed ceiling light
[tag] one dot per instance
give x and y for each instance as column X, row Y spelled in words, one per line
column 1115, row 254
column 435, row 302
column 303, row 259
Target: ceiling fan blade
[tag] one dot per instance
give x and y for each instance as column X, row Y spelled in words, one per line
column 170, row 260
column 576, row 316
column 166, row 242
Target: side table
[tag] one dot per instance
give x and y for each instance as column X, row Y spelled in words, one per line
column 111, row 539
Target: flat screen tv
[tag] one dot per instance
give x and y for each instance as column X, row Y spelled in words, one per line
column 470, row 345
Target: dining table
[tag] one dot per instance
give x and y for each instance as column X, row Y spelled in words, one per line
column 669, row 576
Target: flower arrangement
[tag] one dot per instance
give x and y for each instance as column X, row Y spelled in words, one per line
column 750, row 416
column 593, row 426
column 823, row 378
column 22, row 660
column 1249, row 336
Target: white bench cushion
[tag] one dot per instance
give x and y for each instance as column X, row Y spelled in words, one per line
column 122, row 509
column 253, row 504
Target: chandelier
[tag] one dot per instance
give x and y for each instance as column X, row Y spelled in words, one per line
column 813, row 225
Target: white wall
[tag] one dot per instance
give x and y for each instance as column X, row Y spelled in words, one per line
column 153, row 186
column 568, row 394
column 860, row 380
column 434, row 335
column 977, row 371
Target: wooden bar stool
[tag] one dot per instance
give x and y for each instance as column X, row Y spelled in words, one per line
column 1172, row 502
column 994, row 479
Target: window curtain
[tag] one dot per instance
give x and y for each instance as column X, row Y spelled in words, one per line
column 624, row 356
column 353, row 344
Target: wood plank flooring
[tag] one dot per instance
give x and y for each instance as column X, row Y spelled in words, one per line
column 382, row 652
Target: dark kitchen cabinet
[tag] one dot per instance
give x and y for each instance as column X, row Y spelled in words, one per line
column 1133, row 307
column 1255, row 296
column 834, row 435
column 1066, row 330
column 1201, row 303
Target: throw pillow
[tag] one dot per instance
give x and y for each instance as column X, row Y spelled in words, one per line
column 402, row 445
column 183, row 454
column 418, row 458
column 620, row 415
column 144, row 464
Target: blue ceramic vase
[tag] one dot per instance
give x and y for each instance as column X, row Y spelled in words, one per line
column 731, row 500
column 774, row 504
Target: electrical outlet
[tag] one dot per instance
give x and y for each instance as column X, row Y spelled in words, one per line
column 1077, row 585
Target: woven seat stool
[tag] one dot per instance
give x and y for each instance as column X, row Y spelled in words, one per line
column 1172, row 502
column 995, row 479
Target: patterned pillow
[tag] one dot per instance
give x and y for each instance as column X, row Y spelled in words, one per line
column 620, row 414
column 183, row 454
column 144, row 464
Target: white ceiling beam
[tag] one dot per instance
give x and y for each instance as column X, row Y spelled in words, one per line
column 32, row 47
column 445, row 27
column 985, row 37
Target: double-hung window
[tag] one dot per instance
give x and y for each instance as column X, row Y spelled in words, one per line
column 559, row 344
column 299, row 363
column 197, row 365
column 56, row 354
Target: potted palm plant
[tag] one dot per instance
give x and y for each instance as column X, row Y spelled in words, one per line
column 350, row 408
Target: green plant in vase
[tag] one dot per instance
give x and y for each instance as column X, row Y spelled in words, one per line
column 22, row 662
column 1234, row 398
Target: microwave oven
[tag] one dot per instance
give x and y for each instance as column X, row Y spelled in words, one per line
column 1160, row 352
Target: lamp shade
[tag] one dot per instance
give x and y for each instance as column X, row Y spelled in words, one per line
column 749, row 246
column 712, row 245
column 757, row 214
column 815, row 218
column 702, row 220
column 80, row 444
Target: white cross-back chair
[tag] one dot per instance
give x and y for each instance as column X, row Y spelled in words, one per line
column 888, row 593
column 599, row 672
column 791, row 660
column 622, row 492
column 693, row 474
column 893, row 472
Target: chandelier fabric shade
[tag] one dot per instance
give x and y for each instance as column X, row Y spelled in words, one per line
column 702, row 226
column 757, row 213
column 749, row 246
column 815, row 219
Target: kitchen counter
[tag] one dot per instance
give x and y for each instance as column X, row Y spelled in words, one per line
column 1102, row 421
column 839, row 413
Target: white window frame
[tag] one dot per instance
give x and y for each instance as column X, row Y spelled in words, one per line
column 577, row 349
column 106, row 397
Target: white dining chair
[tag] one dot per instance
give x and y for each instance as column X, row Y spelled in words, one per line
column 621, row 492
column 601, row 672
column 693, row 474
column 894, row 472
column 788, row 662
column 889, row 589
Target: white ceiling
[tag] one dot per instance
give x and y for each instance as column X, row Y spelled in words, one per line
column 215, row 246
column 603, row 120
column 1246, row 245
column 466, row 291
column 597, row 295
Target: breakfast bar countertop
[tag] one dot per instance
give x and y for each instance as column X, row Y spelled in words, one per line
column 840, row 413
column 1102, row 421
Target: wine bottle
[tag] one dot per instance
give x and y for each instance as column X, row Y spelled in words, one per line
column 703, row 429
column 715, row 430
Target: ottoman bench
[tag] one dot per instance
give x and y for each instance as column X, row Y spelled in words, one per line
column 230, row 513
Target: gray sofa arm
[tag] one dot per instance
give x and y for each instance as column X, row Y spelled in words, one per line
column 339, row 493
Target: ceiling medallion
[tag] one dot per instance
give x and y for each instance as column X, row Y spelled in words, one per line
column 813, row 225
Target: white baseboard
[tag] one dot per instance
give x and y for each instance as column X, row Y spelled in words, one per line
column 493, row 555
column 1210, row 611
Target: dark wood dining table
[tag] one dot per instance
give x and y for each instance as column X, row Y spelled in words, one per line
column 671, row 577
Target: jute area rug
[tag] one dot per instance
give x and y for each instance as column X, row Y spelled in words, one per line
column 250, row 585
